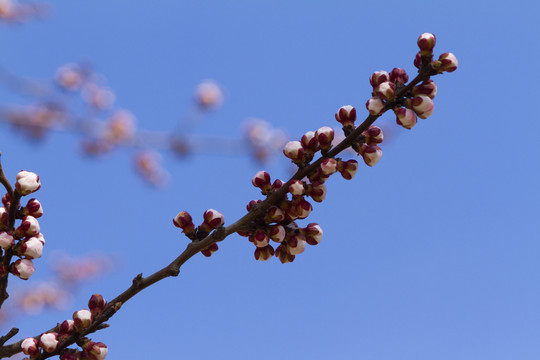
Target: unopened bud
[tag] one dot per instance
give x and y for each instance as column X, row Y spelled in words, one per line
column 313, row 233
column 264, row 253
column 386, row 90
column 426, row 43
column 252, row 203
column 423, row 106
column 378, row 77
column 259, row 238
column 303, row 209
column 274, row 215
column 95, row 350
column 32, row 248
column 282, row 254
column 317, row 191
column 346, row 115
column 405, row 117
column 27, row 182
column 309, row 142
column 66, row 328
column 294, row 151
column 262, row 181
column 29, row 346
column 375, row 105
column 371, row 154
column 297, row 188
column 184, row 221
column 427, row 88
column 399, row 76
column 277, row 233
column 96, row 304
column 28, row 227
column 210, row 250
column 33, row 208
column 296, row 244
column 329, row 166
column 325, row 135
column 448, row 61
column 373, row 135
column 6, row 240
column 48, row 342
column 212, row 220
column 348, row 169
column 23, row 268
column 82, row 319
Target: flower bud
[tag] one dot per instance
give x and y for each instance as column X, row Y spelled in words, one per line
column 386, row 90
column 4, row 218
column 33, row 208
column 252, row 203
column 297, row 188
column 259, row 238
column 48, row 342
column 325, row 135
column 303, row 209
column 448, row 61
column 5, row 200
column 184, row 221
column 313, row 233
column 405, row 117
column 277, row 233
column 277, row 184
column 264, row 253
column 28, row 227
column 27, row 182
column 296, row 244
column 378, row 77
column 423, row 106
column 32, row 248
column 373, row 135
column 371, row 154
column 427, row 88
column 418, row 60
column 212, row 220
column 282, row 254
column 82, row 319
column 317, row 191
column 426, row 43
column 348, row 169
column 210, row 250
column 6, row 240
column 375, row 105
column 329, row 166
column 95, row 351
column 274, row 215
column 66, row 328
column 96, row 304
column 294, row 151
column 70, row 355
column 262, row 181
column 346, row 115
column 399, row 76
column 309, row 142
column 29, row 347
column 23, row 268
column 289, row 209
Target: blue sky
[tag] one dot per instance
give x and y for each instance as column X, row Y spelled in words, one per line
column 431, row 254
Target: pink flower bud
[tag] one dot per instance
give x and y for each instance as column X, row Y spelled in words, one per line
column 427, row 88
column 184, row 221
column 32, row 248
column 252, row 203
column 27, row 182
column 309, row 142
column 448, row 61
column 303, row 209
column 48, row 342
column 386, row 90
column 95, row 351
column 329, row 166
column 294, row 151
column 4, row 218
column 418, row 60
column 371, row 154
column 317, row 191
column 210, row 250
column 28, row 227
column 398, row 75
column 41, row 238
column 66, row 328
column 378, row 77
column 289, row 209
column 297, row 188
column 375, row 105
column 423, row 106
column 348, row 169
column 33, row 208
column 70, row 355
column 212, row 219
column 426, row 43
column 282, row 254
column 277, row 233
column 5, row 200
column 23, row 268
column 274, row 215
column 82, row 319
column 262, row 181
column 405, row 117
column 373, row 135
column 296, row 244
column 96, row 304
column 30, row 347
column 277, row 184
column 6, row 240
column 325, row 135
column 259, row 238
column 313, row 233
column 346, row 115
column 264, row 253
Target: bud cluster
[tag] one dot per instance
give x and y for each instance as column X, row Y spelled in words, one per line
column 212, row 220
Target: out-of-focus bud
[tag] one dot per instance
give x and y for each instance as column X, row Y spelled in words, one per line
column 277, row 184
column 399, row 76
column 294, row 151
column 212, row 220
column 262, row 181
column 30, row 347
column 48, row 342
column 27, row 182
column 426, row 43
column 373, row 135
column 82, row 319
column 6, row 240
column 386, row 90
column 348, row 168
column 427, row 88
column 28, row 227
column 309, row 142
column 277, row 233
column 378, row 77
column 303, row 209
column 23, row 268
column 282, row 254
column 274, row 215
column 69, row 77
column 375, row 105
column 210, row 250
column 33, row 208
column 264, row 253
column 329, row 166
column 317, row 191
column 371, row 154
column 99, row 97
column 120, row 127
column 325, row 135
column 32, row 248
column 95, row 350
column 296, row 244
column 252, row 203
column 209, row 95
column 184, row 221
column 346, row 115
column 423, row 106
column 448, row 61
column 259, row 238
column 297, row 188
column 97, row 304
column 66, row 328
column 313, row 233
column 405, row 117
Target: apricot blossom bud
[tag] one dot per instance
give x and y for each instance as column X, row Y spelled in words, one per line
column 210, row 250
column 23, row 268
column 373, row 135
column 66, row 327
column 96, row 304
column 282, row 254
column 426, row 43
column 259, row 238
column 348, row 169
column 294, row 151
column 297, row 188
column 296, row 244
column 277, row 184
column 375, row 105
column 4, row 218
column 262, row 181
column 277, row 233
column 184, row 221
column 29, row 346
column 32, row 248
column 28, row 227
column 33, row 208
column 378, row 77
column 325, row 135
column 386, row 90
column 6, row 240
column 27, row 182
column 418, row 60
column 405, row 117
column 346, row 115
column 371, row 154
column 48, row 342
column 313, row 233
column 303, row 209
column 448, row 61
column 264, row 253
column 95, row 351
column 274, row 214
column 399, row 75
column 212, row 219
column 427, row 88
column 82, row 319
column 423, row 106
column 317, row 191
column 329, row 166
column 252, row 203
column 309, row 142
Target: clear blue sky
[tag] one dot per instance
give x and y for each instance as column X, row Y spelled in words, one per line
column 432, row 254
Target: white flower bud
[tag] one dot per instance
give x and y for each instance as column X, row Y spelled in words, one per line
column 27, row 182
